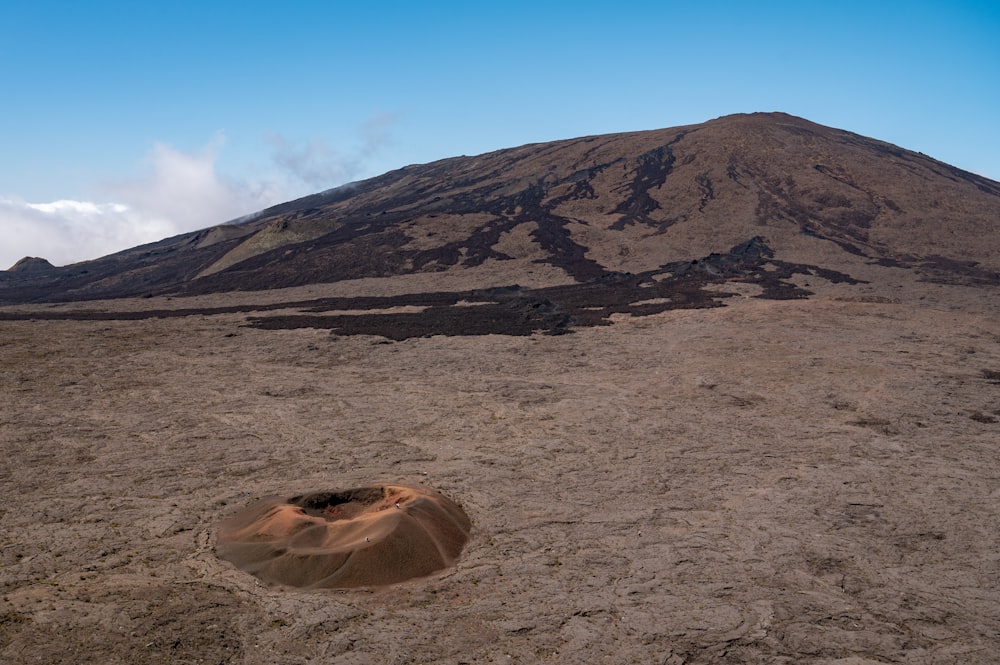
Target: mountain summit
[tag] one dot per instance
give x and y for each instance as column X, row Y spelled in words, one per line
column 578, row 210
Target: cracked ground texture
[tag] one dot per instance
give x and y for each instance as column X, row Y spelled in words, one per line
column 793, row 481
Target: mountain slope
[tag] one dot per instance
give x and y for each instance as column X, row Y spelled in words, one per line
column 584, row 208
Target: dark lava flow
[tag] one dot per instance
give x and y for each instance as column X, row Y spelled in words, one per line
column 514, row 310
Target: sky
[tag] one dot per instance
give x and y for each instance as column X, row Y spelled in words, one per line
column 123, row 123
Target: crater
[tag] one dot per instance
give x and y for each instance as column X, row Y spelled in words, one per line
column 368, row 536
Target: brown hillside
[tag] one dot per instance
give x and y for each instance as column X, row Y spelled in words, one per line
column 576, row 210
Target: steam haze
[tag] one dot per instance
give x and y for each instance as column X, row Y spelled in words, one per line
column 317, row 165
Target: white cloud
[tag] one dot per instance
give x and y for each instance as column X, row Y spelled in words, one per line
column 179, row 192
column 69, row 231
column 176, row 192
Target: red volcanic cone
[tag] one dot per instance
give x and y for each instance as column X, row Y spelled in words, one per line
column 361, row 537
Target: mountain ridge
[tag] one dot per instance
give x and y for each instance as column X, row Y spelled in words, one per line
column 583, row 208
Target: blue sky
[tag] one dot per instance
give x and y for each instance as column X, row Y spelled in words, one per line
column 122, row 123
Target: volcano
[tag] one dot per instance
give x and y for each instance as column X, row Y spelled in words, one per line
column 631, row 210
column 722, row 393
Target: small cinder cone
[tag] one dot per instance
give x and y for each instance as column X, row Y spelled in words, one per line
column 362, row 537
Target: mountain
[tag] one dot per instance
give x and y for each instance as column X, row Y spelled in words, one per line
column 726, row 393
column 638, row 208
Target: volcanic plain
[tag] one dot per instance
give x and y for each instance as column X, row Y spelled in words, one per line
column 686, row 427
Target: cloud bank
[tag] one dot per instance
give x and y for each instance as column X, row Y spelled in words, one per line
column 69, row 231
column 179, row 192
column 175, row 193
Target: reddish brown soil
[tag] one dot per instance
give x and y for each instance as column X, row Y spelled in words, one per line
column 344, row 539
